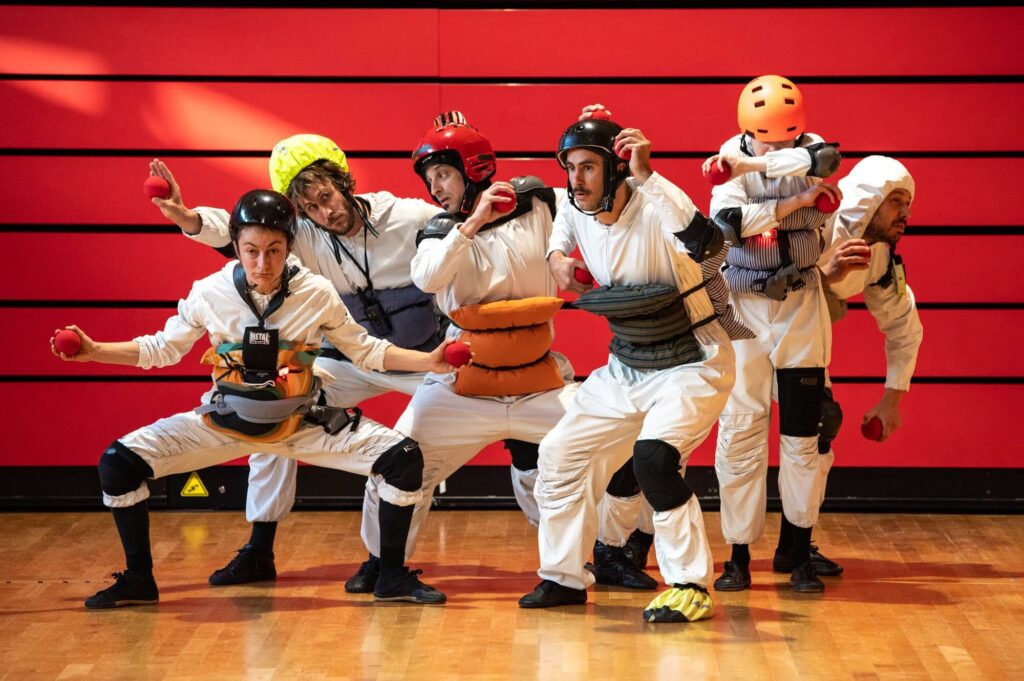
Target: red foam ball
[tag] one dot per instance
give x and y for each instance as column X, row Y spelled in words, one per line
column 67, row 342
column 156, row 187
column 505, row 206
column 872, row 430
column 457, row 354
column 583, row 276
column 601, row 115
column 716, row 176
column 825, row 203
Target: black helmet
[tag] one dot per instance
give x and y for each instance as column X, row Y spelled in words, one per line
column 265, row 208
column 598, row 135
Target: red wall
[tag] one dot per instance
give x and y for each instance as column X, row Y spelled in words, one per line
column 91, row 94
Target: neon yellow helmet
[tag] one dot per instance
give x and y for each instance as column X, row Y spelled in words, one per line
column 292, row 155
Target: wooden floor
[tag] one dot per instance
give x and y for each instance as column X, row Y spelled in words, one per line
column 923, row 597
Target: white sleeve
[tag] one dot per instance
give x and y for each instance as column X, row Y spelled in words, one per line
column 788, row 162
column 672, row 204
column 437, row 261
column 351, row 339
column 563, row 238
column 897, row 318
column 214, row 231
column 757, row 218
column 179, row 334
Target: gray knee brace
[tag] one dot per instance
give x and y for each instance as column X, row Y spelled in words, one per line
column 122, row 470
column 524, row 454
column 401, row 466
column 800, row 397
column 656, row 465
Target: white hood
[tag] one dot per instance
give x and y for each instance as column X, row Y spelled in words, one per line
column 864, row 189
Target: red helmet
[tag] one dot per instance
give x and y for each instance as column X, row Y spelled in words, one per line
column 454, row 142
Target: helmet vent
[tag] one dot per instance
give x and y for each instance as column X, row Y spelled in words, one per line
column 790, row 102
column 791, row 128
column 758, row 104
column 757, row 89
column 786, row 86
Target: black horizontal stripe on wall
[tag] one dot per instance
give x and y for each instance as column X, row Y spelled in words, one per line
column 526, row 155
column 198, row 378
column 977, row 79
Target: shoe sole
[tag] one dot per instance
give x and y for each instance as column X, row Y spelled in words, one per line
column 821, row 573
column 733, row 587
column 121, row 603
column 531, row 606
column 406, row 599
column 353, row 590
column 248, row 581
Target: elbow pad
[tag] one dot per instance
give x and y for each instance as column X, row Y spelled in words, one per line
column 825, row 158
column 730, row 222
column 437, row 227
column 702, row 238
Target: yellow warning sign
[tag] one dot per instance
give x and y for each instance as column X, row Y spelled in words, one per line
column 194, row 487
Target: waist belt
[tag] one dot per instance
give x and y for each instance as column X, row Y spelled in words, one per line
column 651, row 327
column 256, row 410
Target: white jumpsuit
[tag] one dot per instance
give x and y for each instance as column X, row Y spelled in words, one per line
column 313, row 310
column 506, row 262
column 271, row 491
column 895, row 313
column 791, row 333
column 618, row 405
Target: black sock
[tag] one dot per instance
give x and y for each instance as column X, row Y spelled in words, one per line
column 262, row 538
column 133, row 526
column 741, row 554
column 785, row 535
column 394, row 532
column 800, row 552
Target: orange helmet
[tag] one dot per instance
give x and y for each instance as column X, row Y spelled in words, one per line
column 771, row 109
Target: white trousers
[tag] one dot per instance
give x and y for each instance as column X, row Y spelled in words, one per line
column 792, row 333
column 452, row 428
column 183, row 443
column 271, row 492
column 615, row 407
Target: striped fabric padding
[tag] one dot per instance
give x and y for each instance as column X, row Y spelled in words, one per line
column 718, row 292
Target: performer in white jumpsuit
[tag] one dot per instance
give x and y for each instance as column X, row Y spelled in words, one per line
column 768, row 209
column 873, row 215
column 474, row 255
column 362, row 243
column 665, row 383
column 265, row 317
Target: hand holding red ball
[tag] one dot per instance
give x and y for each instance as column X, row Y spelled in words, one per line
column 457, row 354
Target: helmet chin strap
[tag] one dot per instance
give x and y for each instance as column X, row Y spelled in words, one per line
column 472, row 190
column 360, row 210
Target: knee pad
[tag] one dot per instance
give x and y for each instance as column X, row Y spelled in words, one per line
column 401, row 466
column 624, row 483
column 656, row 465
column 800, row 397
column 524, row 454
column 831, row 420
column 122, row 470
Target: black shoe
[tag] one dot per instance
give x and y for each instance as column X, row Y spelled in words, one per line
column 822, row 565
column 130, row 588
column 612, row 568
column 365, row 579
column 549, row 594
column 249, row 565
column 638, row 547
column 735, row 578
column 404, row 586
column 803, row 580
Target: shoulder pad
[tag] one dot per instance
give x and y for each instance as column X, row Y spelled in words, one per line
column 526, row 183
column 437, row 227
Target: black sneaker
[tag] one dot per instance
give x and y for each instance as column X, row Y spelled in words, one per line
column 612, row 568
column 249, row 565
column 735, row 578
column 404, row 586
column 822, row 565
column 803, row 580
column 130, row 588
column 638, row 547
column 549, row 594
column 365, row 579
